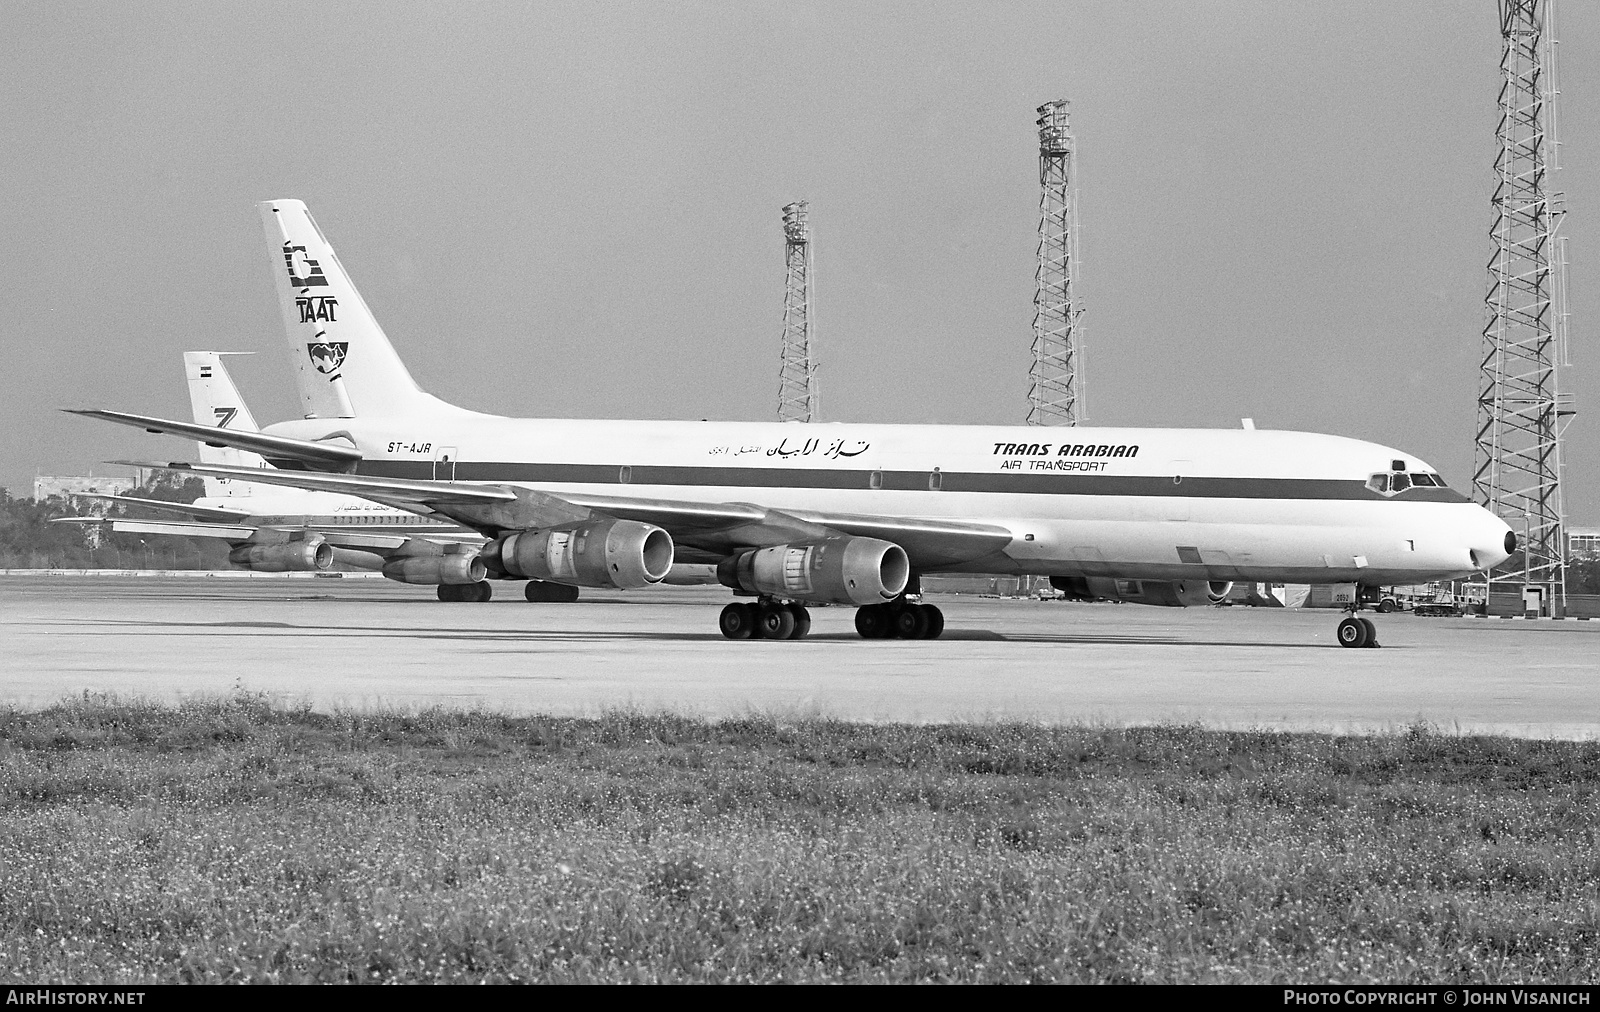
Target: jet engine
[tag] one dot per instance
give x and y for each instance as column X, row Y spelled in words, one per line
column 292, row 557
column 1162, row 593
column 841, row 570
column 624, row 554
column 436, row 569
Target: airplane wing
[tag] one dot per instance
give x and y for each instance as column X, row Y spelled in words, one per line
column 714, row 529
column 206, row 513
column 378, row 544
column 176, row 528
column 280, row 451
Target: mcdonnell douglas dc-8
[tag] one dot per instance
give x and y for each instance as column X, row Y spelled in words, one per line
column 794, row 514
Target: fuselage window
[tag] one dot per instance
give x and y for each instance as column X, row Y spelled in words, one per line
column 1437, row 480
column 1399, row 482
column 1379, row 483
column 1422, row 480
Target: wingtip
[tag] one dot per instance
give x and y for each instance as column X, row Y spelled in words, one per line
column 171, row 465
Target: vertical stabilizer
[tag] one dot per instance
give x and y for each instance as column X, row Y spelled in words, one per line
column 342, row 361
column 216, row 401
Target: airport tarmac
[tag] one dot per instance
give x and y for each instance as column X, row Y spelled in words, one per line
column 369, row 643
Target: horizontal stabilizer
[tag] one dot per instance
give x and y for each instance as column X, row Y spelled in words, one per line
column 282, row 451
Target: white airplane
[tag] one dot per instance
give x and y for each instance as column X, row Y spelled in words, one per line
column 792, row 513
column 275, row 529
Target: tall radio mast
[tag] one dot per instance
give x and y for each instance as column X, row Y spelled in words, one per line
column 1517, row 461
column 1055, row 379
column 797, row 376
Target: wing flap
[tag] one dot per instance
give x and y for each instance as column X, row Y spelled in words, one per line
column 183, row 529
column 384, row 490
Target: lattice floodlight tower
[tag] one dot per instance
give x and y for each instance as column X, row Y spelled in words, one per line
column 797, row 376
column 1517, row 463
column 1055, row 379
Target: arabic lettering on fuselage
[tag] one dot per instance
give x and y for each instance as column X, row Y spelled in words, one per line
column 828, row 449
column 836, row 448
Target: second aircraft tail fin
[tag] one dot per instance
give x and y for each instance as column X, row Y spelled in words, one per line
column 215, row 400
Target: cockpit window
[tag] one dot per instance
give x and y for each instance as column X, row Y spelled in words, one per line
column 1395, row 482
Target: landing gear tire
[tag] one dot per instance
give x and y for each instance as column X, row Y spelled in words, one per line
column 449, row 592
column 478, row 592
column 540, row 592
column 1372, row 633
column 738, row 621
column 935, row 622
column 1355, row 632
column 872, row 622
column 911, row 622
column 802, row 621
column 774, row 622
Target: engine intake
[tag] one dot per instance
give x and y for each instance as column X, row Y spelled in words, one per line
column 623, row 554
column 436, row 569
column 292, row 557
column 842, row 570
column 1161, row 593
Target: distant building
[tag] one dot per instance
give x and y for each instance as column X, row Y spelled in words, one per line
column 69, row 486
column 1583, row 542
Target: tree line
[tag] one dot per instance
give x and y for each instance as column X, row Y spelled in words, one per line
column 30, row 540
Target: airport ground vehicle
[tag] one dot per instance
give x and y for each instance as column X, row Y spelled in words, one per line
column 1439, row 601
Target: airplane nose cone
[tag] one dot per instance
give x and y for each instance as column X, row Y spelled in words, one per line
column 1494, row 544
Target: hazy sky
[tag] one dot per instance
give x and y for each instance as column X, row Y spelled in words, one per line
column 574, row 210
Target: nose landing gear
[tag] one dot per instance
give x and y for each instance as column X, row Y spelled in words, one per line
column 1356, row 631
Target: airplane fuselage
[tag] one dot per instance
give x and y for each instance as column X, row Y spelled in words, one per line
column 1149, row 504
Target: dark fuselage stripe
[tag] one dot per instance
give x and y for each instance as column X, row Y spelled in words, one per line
column 905, row 481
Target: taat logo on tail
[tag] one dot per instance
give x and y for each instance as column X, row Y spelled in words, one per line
column 327, row 357
column 304, row 272
column 224, row 416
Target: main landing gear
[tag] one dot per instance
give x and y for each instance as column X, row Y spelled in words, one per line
column 765, row 620
column 474, row 592
column 901, row 620
column 1356, row 631
column 540, row 592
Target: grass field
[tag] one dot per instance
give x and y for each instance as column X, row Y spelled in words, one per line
column 235, row 840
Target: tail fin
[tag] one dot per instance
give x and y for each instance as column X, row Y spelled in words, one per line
column 342, row 360
column 216, row 401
